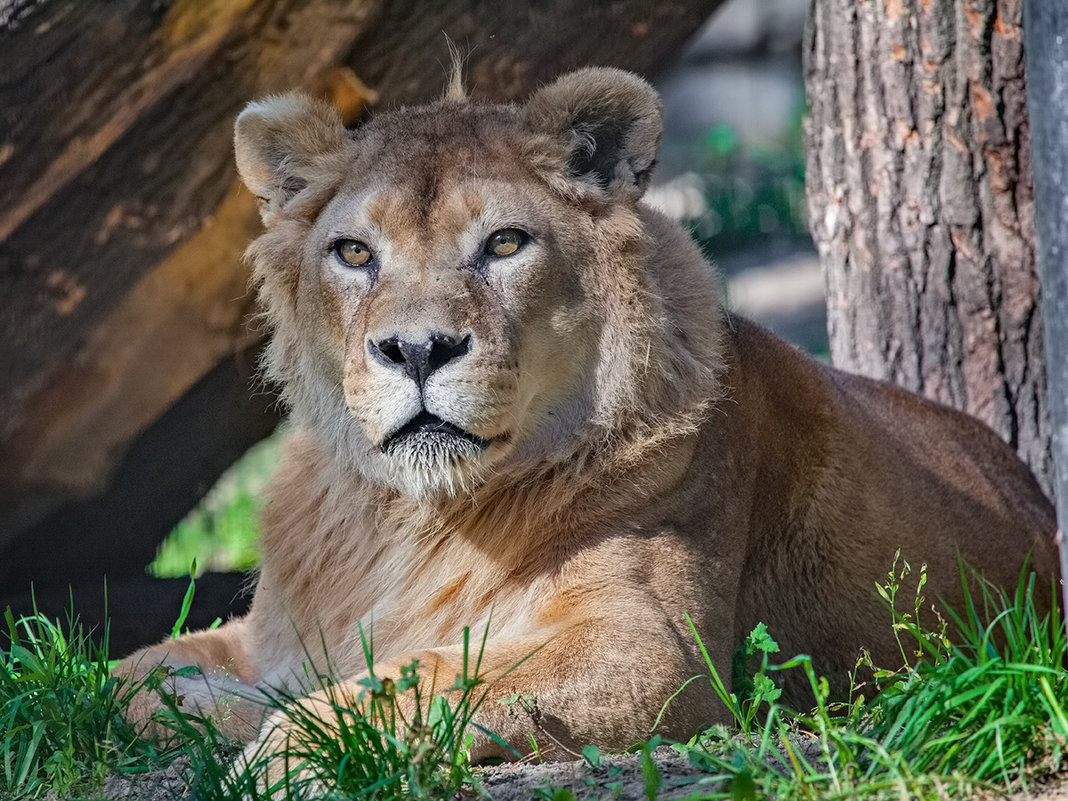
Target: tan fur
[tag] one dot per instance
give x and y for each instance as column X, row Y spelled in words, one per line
column 645, row 454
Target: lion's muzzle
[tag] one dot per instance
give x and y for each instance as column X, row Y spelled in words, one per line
column 430, row 430
column 419, row 357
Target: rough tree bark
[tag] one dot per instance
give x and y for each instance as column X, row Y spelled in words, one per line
column 921, row 204
column 122, row 226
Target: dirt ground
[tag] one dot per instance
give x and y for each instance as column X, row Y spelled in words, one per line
column 617, row 777
column 509, row 782
column 678, row 779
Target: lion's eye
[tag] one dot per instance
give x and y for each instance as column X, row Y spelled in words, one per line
column 352, row 252
column 505, row 242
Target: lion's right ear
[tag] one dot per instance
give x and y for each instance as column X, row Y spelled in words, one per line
column 606, row 124
column 278, row 143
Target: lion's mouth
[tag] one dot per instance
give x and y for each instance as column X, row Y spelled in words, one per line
column 430, row 428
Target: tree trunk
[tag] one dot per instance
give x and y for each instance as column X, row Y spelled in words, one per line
column 122, row 223
column 921, row 205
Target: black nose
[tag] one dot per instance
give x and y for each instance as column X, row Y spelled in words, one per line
column 420, row 358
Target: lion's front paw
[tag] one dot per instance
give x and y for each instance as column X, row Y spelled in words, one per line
column 165, row 702
column 288, row 752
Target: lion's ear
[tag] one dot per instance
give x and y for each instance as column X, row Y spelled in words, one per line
column 608, row 123
column 278, row 142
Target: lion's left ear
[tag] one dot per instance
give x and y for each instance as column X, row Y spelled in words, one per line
column 608, row 123
column 278, row 143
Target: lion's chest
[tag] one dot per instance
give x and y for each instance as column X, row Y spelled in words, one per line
column 419, row 602
column 403, row 593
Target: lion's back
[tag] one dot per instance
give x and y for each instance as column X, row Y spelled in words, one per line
column 855, row 472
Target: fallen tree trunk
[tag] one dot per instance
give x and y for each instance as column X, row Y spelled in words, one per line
column 122, row 224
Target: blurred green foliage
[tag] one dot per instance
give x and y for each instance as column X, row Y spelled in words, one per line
column 751, row 191
column 222, row 532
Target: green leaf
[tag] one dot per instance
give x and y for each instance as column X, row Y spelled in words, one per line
column 743, row 788
column 650, row 772
column 592, row 755
column 409, row 676
column 759, row 641
column 187, row 602
column 372, row 683
column 764, row 688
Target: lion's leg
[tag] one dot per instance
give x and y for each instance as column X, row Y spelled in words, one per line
column 585, row 686
column 223, row 686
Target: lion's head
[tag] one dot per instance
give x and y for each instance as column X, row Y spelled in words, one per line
column 463, row 289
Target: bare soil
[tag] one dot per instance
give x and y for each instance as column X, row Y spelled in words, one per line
column 617, row 777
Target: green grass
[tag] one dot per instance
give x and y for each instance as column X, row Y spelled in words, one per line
column 377, row 751
column 60, row 711
column 63, row 730
column 976, row 703
column 368, row 750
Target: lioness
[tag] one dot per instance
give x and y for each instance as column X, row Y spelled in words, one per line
column 517, row 403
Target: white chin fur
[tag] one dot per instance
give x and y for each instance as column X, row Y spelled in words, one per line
column 419, row 465
column 434, row 463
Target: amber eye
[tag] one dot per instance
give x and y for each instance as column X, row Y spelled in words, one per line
column 505, row 242
column 352, row 253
